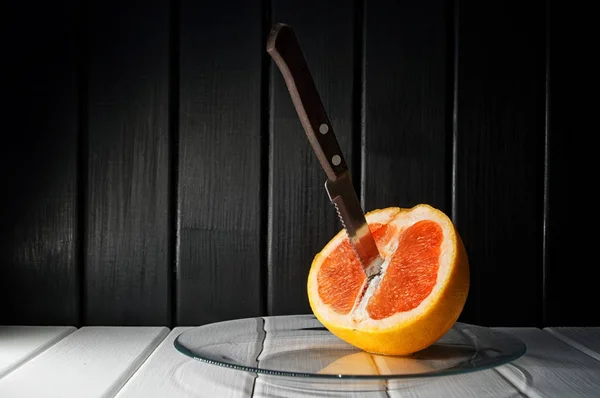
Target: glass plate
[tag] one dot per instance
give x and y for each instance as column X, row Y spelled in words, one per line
column 298, row 352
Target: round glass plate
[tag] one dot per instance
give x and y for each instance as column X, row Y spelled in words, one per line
column 298, row 352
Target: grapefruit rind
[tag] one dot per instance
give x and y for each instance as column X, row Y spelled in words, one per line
column 405, row 332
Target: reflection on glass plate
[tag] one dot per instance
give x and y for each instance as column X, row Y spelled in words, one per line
column 298, row 352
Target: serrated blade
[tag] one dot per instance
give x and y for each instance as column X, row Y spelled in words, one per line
column 343, row 196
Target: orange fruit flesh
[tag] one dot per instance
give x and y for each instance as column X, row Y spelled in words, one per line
column 418, row 295
column 341, row 277
column 411, row 274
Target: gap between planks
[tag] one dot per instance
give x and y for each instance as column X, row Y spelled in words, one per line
column 30, row 342
column 98, row 360
column 563, row 334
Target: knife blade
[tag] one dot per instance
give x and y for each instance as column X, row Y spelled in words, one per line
column 284, row 49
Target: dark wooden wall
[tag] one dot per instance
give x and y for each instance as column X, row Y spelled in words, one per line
column 154, row 171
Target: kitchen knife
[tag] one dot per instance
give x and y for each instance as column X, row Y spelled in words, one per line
column 285, row 50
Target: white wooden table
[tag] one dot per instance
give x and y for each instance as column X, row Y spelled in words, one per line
column 127, row 362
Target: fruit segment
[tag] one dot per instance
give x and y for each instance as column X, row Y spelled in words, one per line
column 341, row 278
column 412, row 272
column 341, row 281
column 407, row 278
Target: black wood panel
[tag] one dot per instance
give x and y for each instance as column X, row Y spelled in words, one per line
column 407, row 113
column 571, row 286
column 127, row 268
column 175, row 105
column 500, row 158
column 301, row 218
column 38, row 155
column 219, row 229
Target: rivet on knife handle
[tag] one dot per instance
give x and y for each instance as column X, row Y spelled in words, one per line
column 285, row 50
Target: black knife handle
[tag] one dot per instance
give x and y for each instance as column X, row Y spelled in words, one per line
column 284, row 48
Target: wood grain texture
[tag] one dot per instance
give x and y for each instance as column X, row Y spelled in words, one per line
column 407, row 132
column 169, row 373
column 19, row 344
column 127, row 262
column 301, row 218
column 93, row 362
column 279, row 352
column 568, row 281
column 486, row 383
column 584, row 339
column 284, row 338
column 500, row 159
column 551, row 368
column 266, row 390
column 219, row 211
column 38, row 163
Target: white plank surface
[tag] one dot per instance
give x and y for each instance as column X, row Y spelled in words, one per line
column 18, row 344
column 586, row 340
column 484, row 384
column 552, row 368
column 278, row 350
column 91, row 362
column 488, row 383
column 479, row 384
column 169, row 373
column 124, row 362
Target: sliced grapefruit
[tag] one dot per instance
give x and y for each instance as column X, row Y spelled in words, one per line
column 415, row 299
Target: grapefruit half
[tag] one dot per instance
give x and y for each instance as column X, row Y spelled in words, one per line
column 415, row 299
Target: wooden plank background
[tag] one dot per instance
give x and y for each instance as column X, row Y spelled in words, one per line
column 499, row 172
column 126, row 206
column 154, row 171
column 219, row 214
column 39, row 219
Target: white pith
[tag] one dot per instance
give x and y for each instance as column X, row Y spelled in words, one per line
column 358, row 318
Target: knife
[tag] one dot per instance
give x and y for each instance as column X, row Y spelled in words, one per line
column 285, row 50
